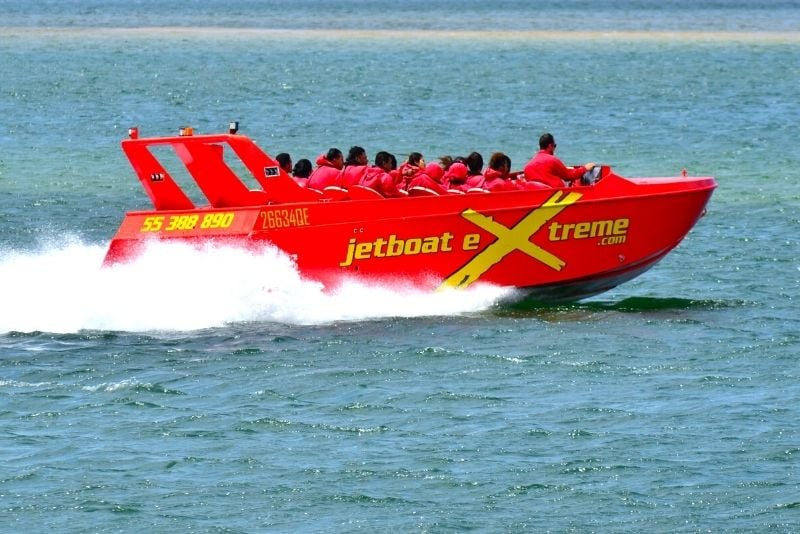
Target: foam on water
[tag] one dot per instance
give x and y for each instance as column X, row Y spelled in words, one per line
column 172, row 286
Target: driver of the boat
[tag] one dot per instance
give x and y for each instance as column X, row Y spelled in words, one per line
column 545, row 167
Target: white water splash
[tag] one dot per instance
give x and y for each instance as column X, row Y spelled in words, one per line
column 174, row 286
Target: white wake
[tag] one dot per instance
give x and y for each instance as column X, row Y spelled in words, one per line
column 171, row 286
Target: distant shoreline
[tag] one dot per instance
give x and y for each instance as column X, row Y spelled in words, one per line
column 694, row 36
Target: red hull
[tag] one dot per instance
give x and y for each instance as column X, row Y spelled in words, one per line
column 557, row 244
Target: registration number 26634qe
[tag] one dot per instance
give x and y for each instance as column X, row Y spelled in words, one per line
column 284, row 218
column 171, row 223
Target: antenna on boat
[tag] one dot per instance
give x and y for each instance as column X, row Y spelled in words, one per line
column 233, row 127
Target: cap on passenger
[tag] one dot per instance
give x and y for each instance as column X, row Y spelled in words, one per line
column 435, row 171
column 457, row 170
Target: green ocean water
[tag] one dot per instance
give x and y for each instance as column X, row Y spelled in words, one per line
column 215, row 391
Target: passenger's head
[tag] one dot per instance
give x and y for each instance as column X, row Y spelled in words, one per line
column 302, row 169
column 356, row 156
column 285, row 161
column 416, row 159
column 445, row 161
column 334, row 155
column 384, row 160
column 474, row 163
column 546, row 140
column 435, row 171
column 457, row 173
column 500, row 162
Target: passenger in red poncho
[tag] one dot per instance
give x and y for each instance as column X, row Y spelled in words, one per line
column 474, row 163
column 497, row 175
column 475, row 181
column 430, row 178
column 355, row 167
column 328, row 171
column 285, row 162
column 413, row 165
column 545, row 167
column 456, row 177
column 383, row 178
column 301, row 172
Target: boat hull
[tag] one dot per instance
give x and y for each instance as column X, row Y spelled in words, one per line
column 554, row 244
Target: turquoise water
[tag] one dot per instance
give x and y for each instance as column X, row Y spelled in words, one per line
column 218, row 391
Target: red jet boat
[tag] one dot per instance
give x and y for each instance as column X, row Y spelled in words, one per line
column 556, row 245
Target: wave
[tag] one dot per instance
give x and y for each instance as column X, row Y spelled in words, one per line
column 63, row 288
column 412, row 35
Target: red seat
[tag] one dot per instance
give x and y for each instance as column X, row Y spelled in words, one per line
column 530, row 185
column 362, row 192
column 419, row 191
column 315, row 194
column 334, row 192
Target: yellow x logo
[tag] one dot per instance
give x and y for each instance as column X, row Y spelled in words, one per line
column 510, row 239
